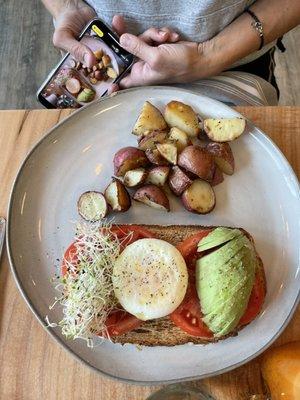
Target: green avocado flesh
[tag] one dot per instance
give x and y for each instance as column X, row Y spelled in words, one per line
column 217, row 237
column 224, row 281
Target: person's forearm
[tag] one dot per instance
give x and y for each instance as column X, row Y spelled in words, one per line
column 55, row 7
column 240, row 39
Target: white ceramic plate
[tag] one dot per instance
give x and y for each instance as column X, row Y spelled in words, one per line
column 76, row 155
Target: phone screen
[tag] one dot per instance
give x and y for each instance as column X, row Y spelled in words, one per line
column 73, row 84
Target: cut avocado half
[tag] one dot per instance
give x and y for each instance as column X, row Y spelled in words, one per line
column 217, row 237
column 224, row 281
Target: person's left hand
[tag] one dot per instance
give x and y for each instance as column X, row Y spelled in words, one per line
column 167, row 63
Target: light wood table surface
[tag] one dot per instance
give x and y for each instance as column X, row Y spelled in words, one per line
column 32, row 365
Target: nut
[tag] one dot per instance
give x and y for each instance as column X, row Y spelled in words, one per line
column 95, row 68
column 111, row 73
column 98, row 75
column 98, row 54
column 100, row 65
column 106, row 60
column 93, row 81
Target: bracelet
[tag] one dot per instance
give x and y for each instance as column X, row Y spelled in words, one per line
column 258, row 26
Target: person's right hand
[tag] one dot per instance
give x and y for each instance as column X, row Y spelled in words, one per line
column 68, row 25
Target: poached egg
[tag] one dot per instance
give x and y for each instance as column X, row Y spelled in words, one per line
column 150, row 278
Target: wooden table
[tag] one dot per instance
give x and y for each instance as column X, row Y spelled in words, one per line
column 32, row 365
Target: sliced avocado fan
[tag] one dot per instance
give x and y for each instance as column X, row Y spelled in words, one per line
column 217, row 237
column 224, row 281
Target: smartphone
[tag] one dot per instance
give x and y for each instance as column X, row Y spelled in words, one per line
column 72, row 85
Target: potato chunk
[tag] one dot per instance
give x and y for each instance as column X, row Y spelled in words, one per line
column 199, row 197
column 150, row 119
column 224, row 129
column 183, row 117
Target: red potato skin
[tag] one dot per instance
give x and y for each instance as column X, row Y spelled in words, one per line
column 218, row 177
column 154, row 194
column 222, row 151
column 155, row 157
column 197, row 160
column 128, row 158
column 178, row 181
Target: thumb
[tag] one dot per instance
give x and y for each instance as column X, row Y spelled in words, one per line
column 64, row 39
column 113, row 88
column 138, row 47
column 126, row 82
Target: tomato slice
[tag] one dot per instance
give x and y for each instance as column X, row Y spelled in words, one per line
column 131, row 233
column 256, row 301
column 69, row 256
column 188, row 315
column 188, row 248
column 119, row 321
column 123, row 230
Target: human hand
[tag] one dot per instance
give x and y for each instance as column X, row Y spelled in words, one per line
column 152, row 37
column 168, row 62
column 69, row 22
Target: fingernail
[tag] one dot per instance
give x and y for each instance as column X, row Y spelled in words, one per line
column 176, row 35
column 162, row 33
column 125, row 40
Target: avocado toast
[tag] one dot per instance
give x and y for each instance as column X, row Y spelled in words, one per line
column 162, row 331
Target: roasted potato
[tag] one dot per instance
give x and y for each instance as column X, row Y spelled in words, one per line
column 180, row 138
column 135, row 177
column 168, row 151
column 158, row 175
column 199, row 197
column 224, row 129
column 178, row 181
column 223, row 156
column 150, row 119
column 149, row 141
column 182, row 116
column 197, row 160
column 92, row 206
column 129, row 158
column 117, row 196
column 218, row 177
column 152, row 196
column 155, row 157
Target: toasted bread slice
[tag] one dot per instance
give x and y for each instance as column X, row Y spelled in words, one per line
column 162, row 331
